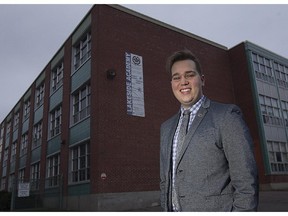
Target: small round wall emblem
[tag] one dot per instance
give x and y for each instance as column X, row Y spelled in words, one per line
column 103, row 176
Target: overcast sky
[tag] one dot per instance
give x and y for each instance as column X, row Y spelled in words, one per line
column 31, row 34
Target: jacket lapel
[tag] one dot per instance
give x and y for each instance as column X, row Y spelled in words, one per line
column 196, row 122
column 171, row 133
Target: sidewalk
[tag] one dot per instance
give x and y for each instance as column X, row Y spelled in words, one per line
column 269, row 201
column 273, row 201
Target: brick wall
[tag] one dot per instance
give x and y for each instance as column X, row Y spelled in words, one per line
column 126, row 148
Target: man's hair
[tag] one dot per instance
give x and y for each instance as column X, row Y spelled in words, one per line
column 180, row 56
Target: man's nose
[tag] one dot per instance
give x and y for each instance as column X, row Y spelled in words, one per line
column 183, row 80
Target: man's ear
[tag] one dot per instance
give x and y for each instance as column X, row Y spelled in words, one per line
column 203, row 80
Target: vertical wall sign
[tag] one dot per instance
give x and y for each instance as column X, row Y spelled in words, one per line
column 134, row 85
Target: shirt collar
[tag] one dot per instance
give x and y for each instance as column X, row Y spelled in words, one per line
column 196, row 106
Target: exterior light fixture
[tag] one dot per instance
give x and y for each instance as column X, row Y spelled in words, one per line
column 111, row 73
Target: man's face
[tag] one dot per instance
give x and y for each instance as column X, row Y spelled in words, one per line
column 186, row 82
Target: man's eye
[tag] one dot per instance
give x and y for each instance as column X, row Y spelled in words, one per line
column 176, row 78
column 189, row 75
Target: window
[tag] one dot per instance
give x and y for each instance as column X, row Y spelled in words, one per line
column 26, row 110
column 40, row 95
column 281, row 74
column 35, row 176
column 21, row 175
column 270, row 109
column 1, row 140
column 1, row 134
column 24, row 144
column 53, row 170
column 263, row 68
column 8, row 130
column 13, row 152
column 80, row 163
column 82, row 51
column 16, row 121
column 1, row 146
column 285, row 111
column 37, row 135
column 5, row 158
column 55, row 121
column 278, row 156
column 81, row 103
column 57, row 77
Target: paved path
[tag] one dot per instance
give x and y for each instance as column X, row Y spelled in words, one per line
column 269, row 201
column 273, row 201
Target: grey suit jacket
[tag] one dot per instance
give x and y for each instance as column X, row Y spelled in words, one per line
column 216, row 169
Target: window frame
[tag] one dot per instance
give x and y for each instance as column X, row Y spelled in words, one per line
column 53, row 170
column 55, row 123
column 270, row 110
column 24, row 144
column 16, row 121
column 13, row 152
column 278, row 156
column 78, row 172
column 40, row 93
column 57, row 75
column 37, row 134
column 81, row 103
column 82, row 51
column 26, row 109
column 35, row 176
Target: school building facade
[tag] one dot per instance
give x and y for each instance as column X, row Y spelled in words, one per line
column 89, row 125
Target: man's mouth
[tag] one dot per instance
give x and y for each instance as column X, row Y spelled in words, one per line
column 185, row 90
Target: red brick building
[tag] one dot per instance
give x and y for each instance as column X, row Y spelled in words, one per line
column 88, row 126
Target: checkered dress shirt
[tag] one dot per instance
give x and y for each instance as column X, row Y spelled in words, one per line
column 193, row 111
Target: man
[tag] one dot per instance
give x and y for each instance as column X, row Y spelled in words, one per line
column 215, row 169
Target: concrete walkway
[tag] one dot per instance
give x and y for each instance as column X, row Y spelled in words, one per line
column 269, row 201
column 273, row 201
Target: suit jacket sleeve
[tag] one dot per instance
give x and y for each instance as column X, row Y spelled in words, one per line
column 167, row 133
column 238, row 148
column 162, row 175
column 164, row 158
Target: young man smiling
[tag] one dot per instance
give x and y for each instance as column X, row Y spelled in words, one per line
column 186, row 82
column 214, row 169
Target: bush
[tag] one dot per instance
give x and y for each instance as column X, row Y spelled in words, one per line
column 5, row 199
